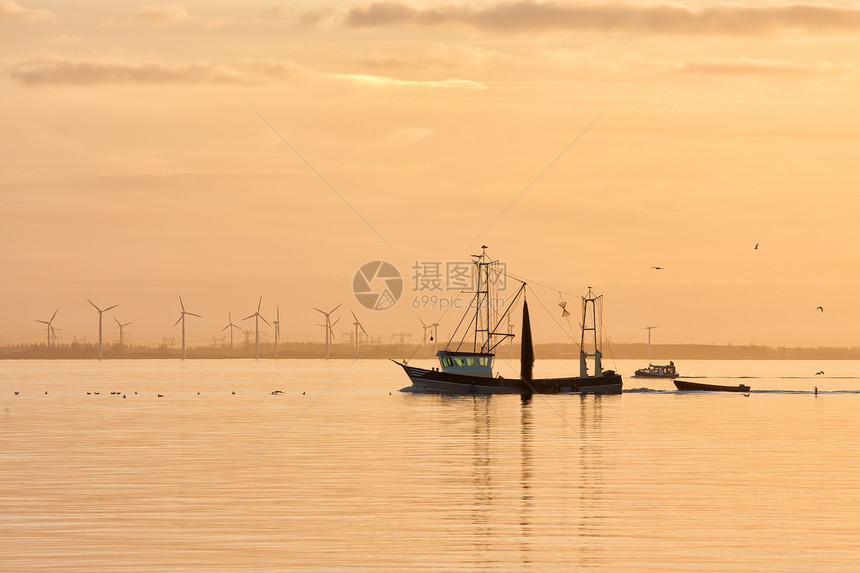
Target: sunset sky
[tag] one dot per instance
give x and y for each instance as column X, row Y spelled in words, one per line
column 225, row 150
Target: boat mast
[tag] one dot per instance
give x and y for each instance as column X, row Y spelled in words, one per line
column 589, row 301
column 482, row 302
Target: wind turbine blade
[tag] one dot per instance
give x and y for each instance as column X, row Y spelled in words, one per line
column 180, row 303
column 192, row 314
column 43, row 321
column 236, row 326
column 422, row 322
column 118, row 322
column 247, row 317
column 127, row 323
column 362, row 329
column 225, row 328
column 355, row 318
column 178, row 320
column 318, row 310
column 264, row 320
column 259, row 304
column 52, row 331
column 334, row 309
column 278, row 312
column 94, row 305
column 53, row 315
column 335, row 322
column 110, row 307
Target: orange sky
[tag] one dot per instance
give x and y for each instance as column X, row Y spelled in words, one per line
column 138, row 163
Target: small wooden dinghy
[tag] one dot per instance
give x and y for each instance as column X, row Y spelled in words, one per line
column 699, row 387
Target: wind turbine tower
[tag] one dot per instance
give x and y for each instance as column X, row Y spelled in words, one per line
column 257, row 315
column 121, row 326
column 182, row 320
column 101, row 310
column 50, row 327
column 650, row 328
column 277, row 323
column 329, row 333
column 231, row 326
column 357, row 325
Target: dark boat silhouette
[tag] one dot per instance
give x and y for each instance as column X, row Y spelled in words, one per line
column 699, row 387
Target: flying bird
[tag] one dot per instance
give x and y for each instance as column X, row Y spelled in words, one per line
column 819, row 308
column 657, row 268
column 819, row 373
column 756, row 246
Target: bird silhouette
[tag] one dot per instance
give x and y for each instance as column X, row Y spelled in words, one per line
column 657, row 268
column 819, row 373
column 756, row 246
column 819, row 308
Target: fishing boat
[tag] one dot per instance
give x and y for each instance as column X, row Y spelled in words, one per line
column 657, row 371
column 699, row 387
column 468, row 368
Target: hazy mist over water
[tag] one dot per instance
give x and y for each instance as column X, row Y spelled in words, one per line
column 343, row 472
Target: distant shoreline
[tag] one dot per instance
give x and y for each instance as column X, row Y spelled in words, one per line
column 660, row 353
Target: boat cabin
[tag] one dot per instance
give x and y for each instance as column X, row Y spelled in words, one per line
column 471, row 363
column 658, row 371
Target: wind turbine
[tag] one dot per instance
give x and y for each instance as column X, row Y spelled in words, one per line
column 257, row 314
column 650, row 328
column 231, row 326
column 329, row 333
column 357, row 325
column 182, row 320
column 426, row 328
column 277, row 323
column 121, row 326
column 100, row 322
column 50, row 328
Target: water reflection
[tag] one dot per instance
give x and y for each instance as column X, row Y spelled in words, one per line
column 591, row 485
column 526, row 473
column 482, row 478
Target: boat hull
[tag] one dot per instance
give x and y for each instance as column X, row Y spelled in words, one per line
column 424, row 380
column 645, row 374
column 698, row 387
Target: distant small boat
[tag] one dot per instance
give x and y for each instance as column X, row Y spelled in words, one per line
column 698, row 387
column 657, row 371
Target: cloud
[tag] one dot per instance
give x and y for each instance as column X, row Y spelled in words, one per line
column 165, row 14
column 84, row 72
column 90, row 72
column 14, row 11
column 750, row 66
column 519, row 16
column 382, row 81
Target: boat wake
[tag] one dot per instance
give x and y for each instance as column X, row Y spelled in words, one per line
column 777, row 377
column 787, row 392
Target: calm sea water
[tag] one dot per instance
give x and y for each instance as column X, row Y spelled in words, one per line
column 343, row 472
